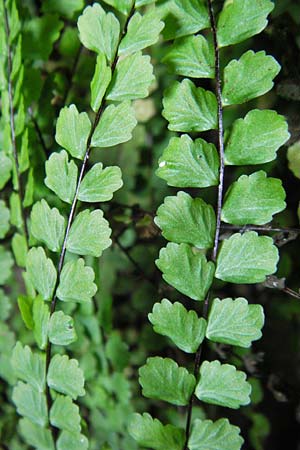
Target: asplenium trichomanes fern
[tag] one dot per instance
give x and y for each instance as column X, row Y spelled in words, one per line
column 195, row 256
column 51, row 381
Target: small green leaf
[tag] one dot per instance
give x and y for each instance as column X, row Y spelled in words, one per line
column 15, row 210
column 20, row 249
column 68, row 440
column 187, row 163
column 221, row 384
column 100, row 82
column 39, row 35
column 124, row 6
column 241, row 19
column 41, row 316
column 184, row 219
column 61, row 329
column 131, row 79
column 61, row 176
column 6, row 263
column 215, row 435
column 253, row 199
column 35, row 435
column 293, row 155
column 25, row 306
column 235, row 322
column 28, row 366
column 163, row 379
column 65, row 376
column 186, row 269
column 191, row 56
column 99, row 184
column 188, row 108
column 47, row 225
column 64, row 414
column 143, row 31
column 24, row 154
column 76, row 282
column 249, row 77
column 256, row 138
column 41, row 271
column 183, row 17
column 246, row 258
column 115, row 126
column 152, row 433
column 72, row 130
column 184, row 327
column 29, row 191
column 5, row 169
column 89, row 234
column 99, row 31
column 4, row 219
column 30, row 403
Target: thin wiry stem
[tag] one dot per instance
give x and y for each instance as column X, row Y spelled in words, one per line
column 19, row 187
column 75, row 201
column 219, row 201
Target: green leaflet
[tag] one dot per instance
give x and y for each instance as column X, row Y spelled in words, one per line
column 35, row 435
column 131, row 79
column 183, row 219
column 64, row 414
column 215, row 435
column 253, row 199
column 4, row 219
column 41, row 271
column 143, row 31
column 183, row 17
column 25, row 307
column 6, row 263
column 39, row 35
column 188, row 108
column 246, row 258
column 235, row 322
column 47, row 225
column 20, row 249
column 186, row 269
column 249, row 77
column 65, row 376
column 99, row 184
column 61, row 329
column 184, row 327
column 99, row 31
column 163, row 379
column 115, row 126
column 72, row 131
column 72, row 440
column 5, row 306
column 256, row 138
column 89, row 234
column 76, row 282
column 5, row 169
column 41, row 316
column 293, row 156
column 28, row 366
column 30, row 403
column 124, row 6
column 191, row 56
column 152, row 433
column 61, row 176
column 15, row 210
column 188, row 163
column 241, row 19
column 221, row 384
column 100, row 82
column 66, row 8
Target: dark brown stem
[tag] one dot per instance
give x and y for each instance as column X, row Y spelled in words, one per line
column 219, row 201
column 75, row 201
column 19, row 188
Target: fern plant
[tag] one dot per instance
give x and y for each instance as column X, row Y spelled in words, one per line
column 195, row 254
column 50, row 381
